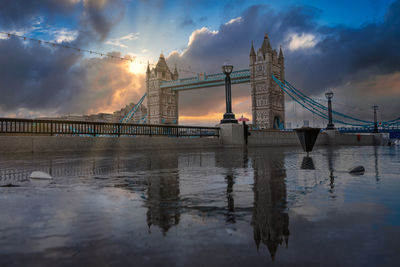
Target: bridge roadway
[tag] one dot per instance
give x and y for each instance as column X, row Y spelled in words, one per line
column 203, row 80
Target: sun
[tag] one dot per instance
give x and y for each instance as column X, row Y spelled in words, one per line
column 136, row 68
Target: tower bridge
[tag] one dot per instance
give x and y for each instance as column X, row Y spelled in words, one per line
column 268, row 103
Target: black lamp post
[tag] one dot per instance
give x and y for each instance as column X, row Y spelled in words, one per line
column 329, row 96
column 375, row 107
column 229, row 117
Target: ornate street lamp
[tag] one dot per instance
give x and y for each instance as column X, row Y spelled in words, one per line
column 229, row 117
column 329, row 96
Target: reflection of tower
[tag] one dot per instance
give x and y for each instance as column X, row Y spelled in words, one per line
column 330, row 166
column 270, row 221
column 163, row 194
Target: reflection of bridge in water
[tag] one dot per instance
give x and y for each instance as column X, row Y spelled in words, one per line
column 161, row 181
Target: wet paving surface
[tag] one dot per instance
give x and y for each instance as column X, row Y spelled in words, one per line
column 255, row 207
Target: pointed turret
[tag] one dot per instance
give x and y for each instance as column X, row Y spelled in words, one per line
column 162, row 70
column 148, row 68
column 252, row 52
column 281, row 58
column 266, row 46
column 161, row 64
column 176, row 75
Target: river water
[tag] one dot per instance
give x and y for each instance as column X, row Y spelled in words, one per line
column 232, row 207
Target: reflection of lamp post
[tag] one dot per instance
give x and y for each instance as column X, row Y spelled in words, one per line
column 229, row 117
column 329, row 96
column 375, row 107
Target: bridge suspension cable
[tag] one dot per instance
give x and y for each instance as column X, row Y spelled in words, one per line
column 320, row 110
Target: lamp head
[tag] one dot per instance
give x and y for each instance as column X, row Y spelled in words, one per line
column 329, row 95
column 227, row 69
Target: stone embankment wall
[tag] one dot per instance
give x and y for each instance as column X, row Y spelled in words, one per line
column 83, row 144
column 278, row 138
column 230, row 137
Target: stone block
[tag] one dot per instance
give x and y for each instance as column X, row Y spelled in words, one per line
column 232, row 134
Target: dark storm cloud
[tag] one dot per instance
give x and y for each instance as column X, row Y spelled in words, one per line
column 341, row 55
column 102, row 17
column 95, row 16
column 20, row 13
column 38, row 77
column 35, row 78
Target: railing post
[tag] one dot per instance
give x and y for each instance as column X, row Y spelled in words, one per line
column 94, row 129
column 51, row 128
column 119, row 129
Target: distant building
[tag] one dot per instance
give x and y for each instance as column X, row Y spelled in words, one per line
column 138, row 117
column 140, row 114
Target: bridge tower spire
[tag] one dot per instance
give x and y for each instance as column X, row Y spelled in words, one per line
column 268, row 102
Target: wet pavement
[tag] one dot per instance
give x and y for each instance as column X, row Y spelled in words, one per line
column 232, row 207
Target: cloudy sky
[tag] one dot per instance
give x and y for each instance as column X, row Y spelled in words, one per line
column 350, row 47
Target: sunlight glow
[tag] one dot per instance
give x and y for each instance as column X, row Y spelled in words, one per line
column 136, row 68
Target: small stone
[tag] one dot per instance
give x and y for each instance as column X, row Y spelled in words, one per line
column 358, row 170
column 40, row 175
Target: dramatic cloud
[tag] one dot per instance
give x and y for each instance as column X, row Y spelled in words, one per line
column 301, row 41
column 317, row 57
column 94, row 16
column 38, row 79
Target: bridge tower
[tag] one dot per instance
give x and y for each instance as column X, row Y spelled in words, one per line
column 268, row 101
column 162, row 103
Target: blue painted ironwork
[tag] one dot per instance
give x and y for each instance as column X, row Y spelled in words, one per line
column 202, row 81
column 132, row 112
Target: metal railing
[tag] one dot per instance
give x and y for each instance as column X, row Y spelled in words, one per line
column 101, row 129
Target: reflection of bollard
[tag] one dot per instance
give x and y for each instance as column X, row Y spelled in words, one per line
column 307, row 164
column 307, row 137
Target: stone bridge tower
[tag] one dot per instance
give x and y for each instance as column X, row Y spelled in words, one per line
column 268, row 101
column 162, row 103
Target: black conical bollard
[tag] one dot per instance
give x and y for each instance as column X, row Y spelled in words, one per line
column 307, row 137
